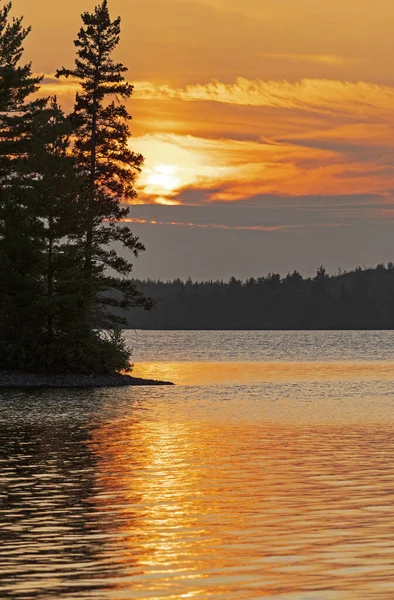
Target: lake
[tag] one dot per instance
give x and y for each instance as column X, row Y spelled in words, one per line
column 267, row 472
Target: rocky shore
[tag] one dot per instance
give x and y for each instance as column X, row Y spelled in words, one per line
column 16, row 380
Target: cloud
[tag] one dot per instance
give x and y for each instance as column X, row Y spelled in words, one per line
column 324, row 59
column 319, row 95
column 254, row 137
column 235, row 168
column 231, row 170
column 266, row 228
column 215, row 225
column 268, row 213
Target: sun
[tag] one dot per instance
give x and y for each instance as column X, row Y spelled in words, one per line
column 163, row 179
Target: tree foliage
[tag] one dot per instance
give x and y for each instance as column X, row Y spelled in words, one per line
column 102, row 133
column 60, row 213
column 361, row 299
column 16, row 81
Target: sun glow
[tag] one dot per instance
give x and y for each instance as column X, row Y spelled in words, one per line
column 191, row 161
column 166, row 201
column 161, row 182
column 163, row 179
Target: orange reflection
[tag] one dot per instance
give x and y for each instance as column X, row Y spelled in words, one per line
column 204, row 510
column 167, row 488
column 197, row 373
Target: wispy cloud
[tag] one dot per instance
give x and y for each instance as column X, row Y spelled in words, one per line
column 231, row 170
column 267, row 228
column 321, row 95
column 314, row 136
column 324, row 59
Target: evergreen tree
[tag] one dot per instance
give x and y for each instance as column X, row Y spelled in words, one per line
column 18, row 248
column 32, row 219
column 102, row 132
column 43, row 317
column 16, row 82
column 49, row 179
column 61, row 184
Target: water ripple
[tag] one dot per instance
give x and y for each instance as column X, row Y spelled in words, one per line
column 280, row 489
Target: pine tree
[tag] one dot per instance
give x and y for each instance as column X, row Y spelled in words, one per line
column 26, row 214
column 18, row 249
column 61, row 184
column 16, row 82
column 32, row 311
column 49, row 179
column 102, row 133
column 43, row 319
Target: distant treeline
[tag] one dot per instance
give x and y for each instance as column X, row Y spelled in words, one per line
column 360, row 299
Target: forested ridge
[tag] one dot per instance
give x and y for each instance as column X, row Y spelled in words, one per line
column 360, row 299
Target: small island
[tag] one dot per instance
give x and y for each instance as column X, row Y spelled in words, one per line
column 66, row 184
column 30, row 381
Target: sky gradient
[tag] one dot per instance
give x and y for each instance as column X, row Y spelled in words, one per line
column 267, row 128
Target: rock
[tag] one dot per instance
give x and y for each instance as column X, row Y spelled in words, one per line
column 17, row 380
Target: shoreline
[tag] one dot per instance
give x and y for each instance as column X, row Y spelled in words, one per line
column 17, row 380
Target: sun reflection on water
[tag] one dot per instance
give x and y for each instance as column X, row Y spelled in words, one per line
column 245, row 511
column 244, row 481
column 200, row 373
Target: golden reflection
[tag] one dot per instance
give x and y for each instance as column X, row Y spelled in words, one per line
column 199, row 373
column 238, row 510
column 155, row 474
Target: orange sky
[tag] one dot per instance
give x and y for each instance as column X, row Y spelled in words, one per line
column 241, row 102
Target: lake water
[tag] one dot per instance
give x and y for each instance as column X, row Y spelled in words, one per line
column 267, row 472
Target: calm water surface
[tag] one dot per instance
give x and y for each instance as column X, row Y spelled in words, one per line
column 267, row 472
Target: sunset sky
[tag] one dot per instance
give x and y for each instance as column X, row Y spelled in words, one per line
column 267, row 127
